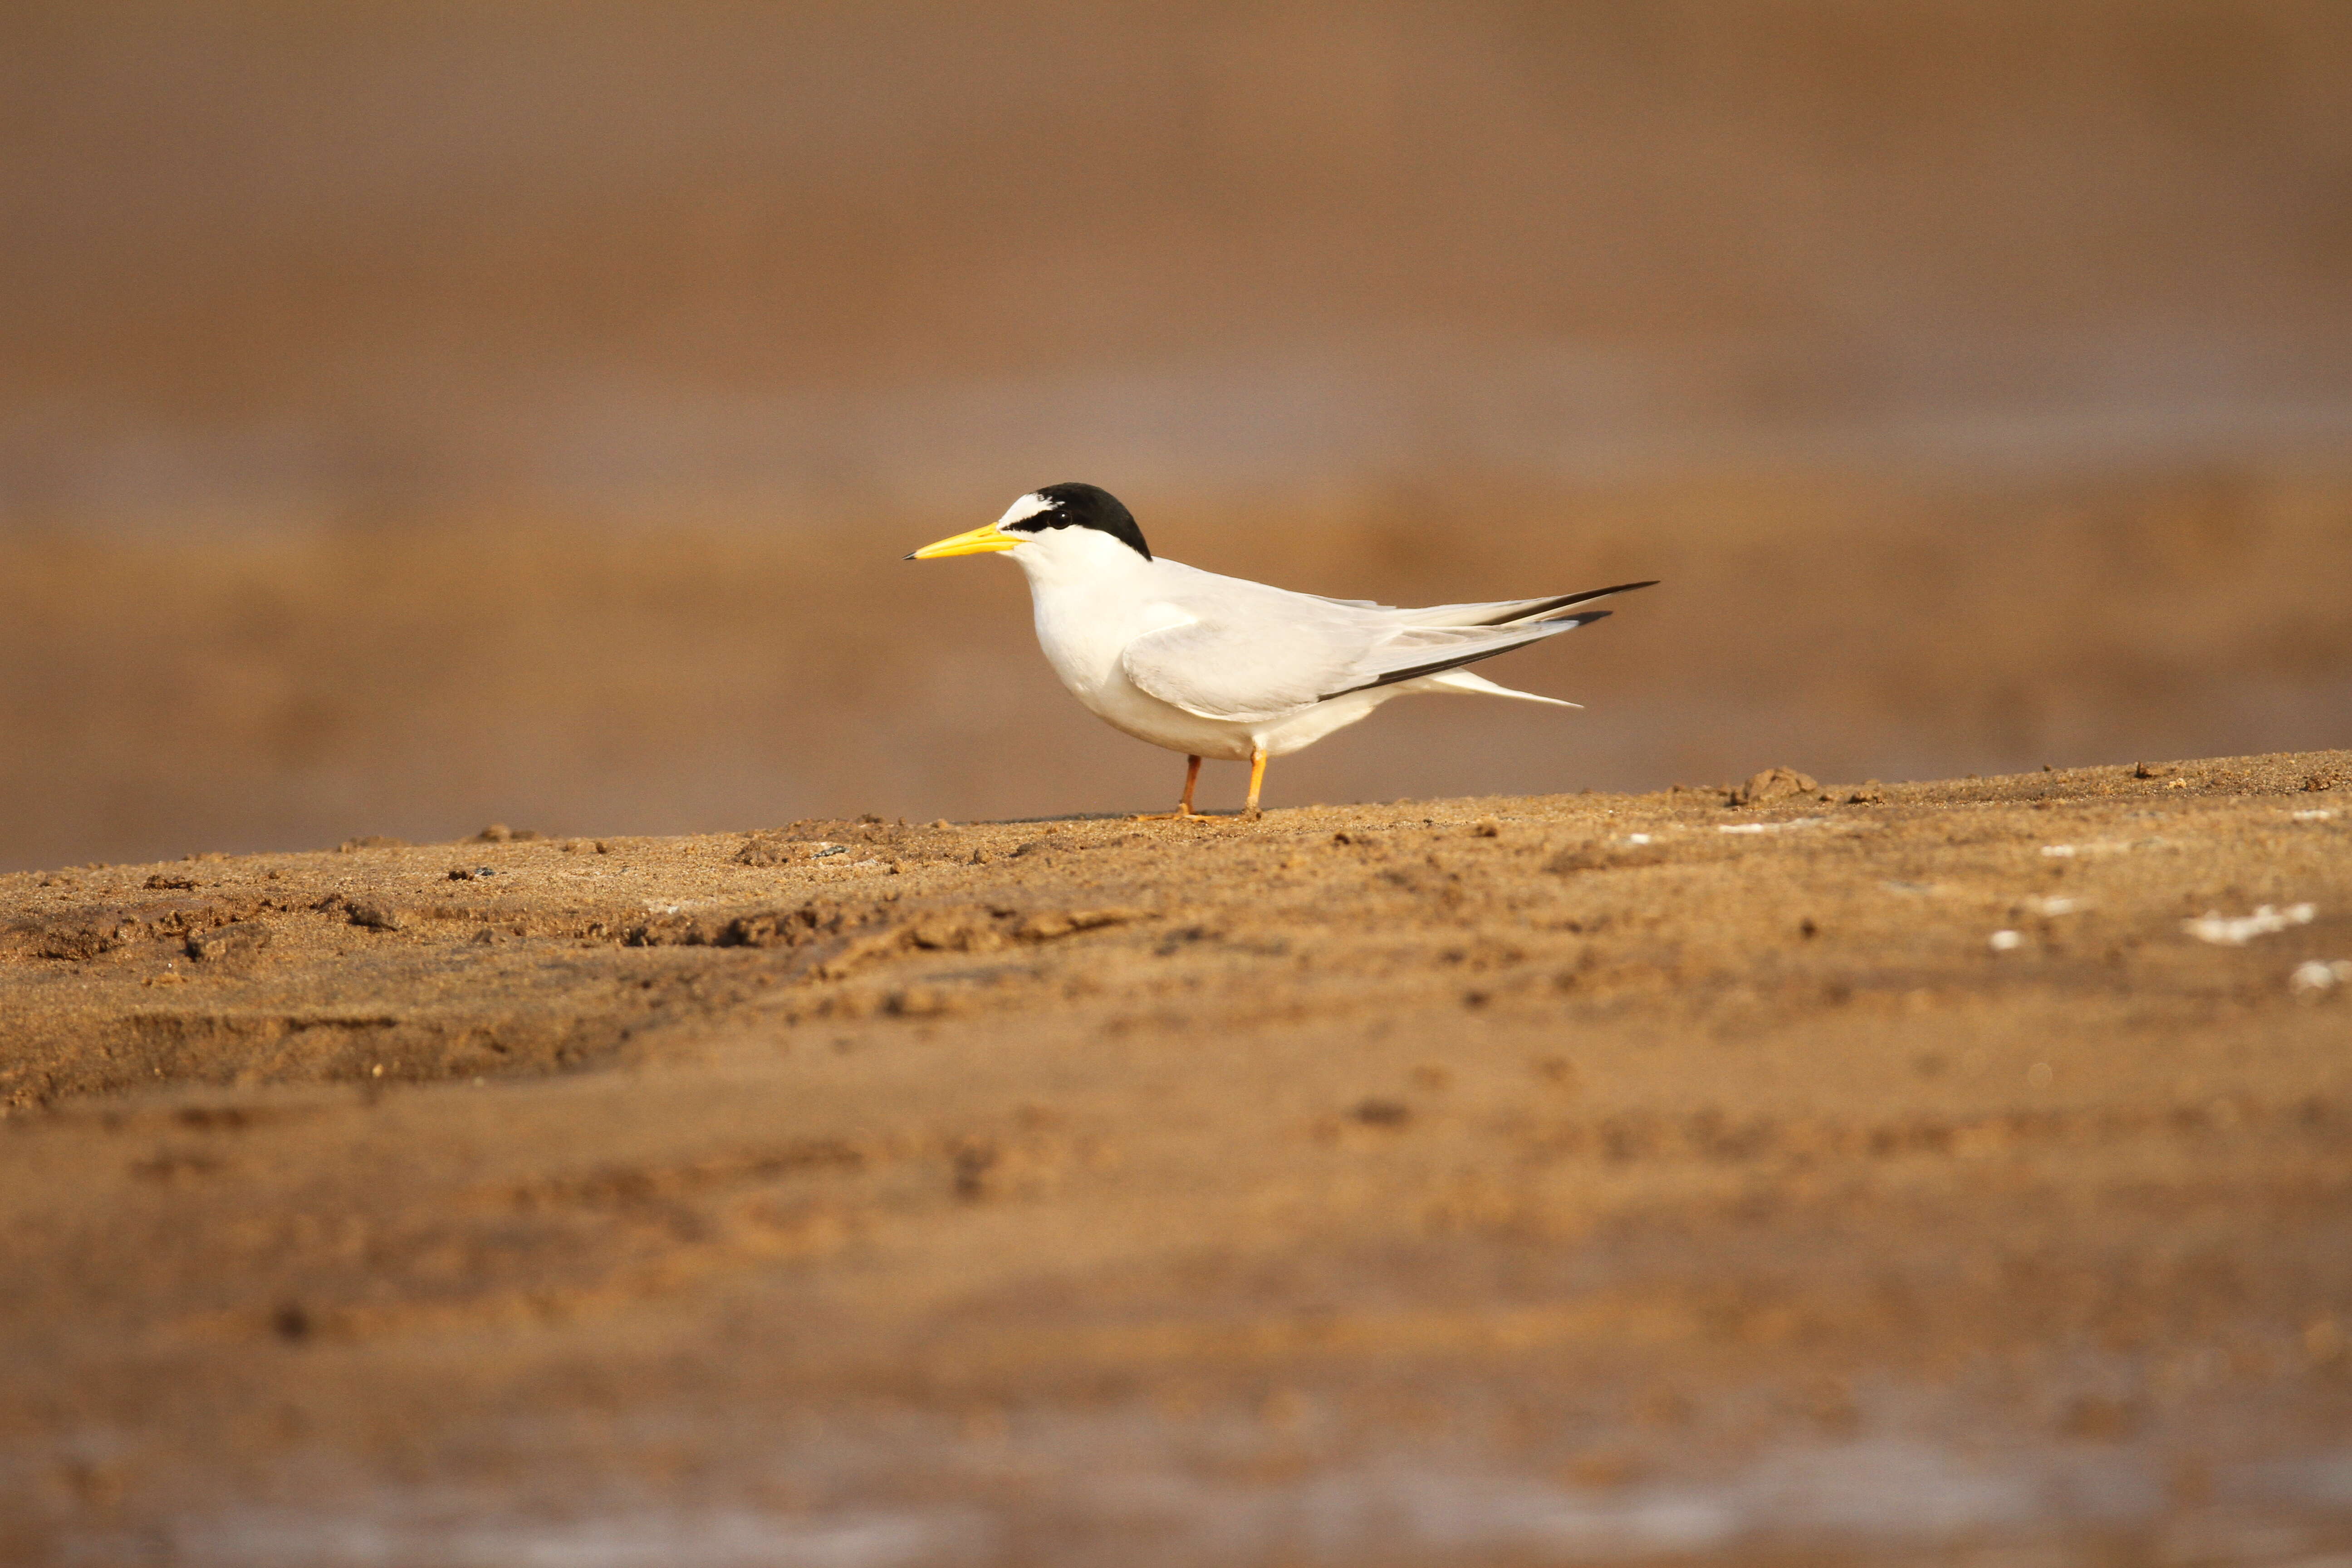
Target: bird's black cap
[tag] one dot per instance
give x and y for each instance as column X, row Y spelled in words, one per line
column 1076, row 505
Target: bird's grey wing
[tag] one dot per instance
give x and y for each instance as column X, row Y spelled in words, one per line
column 1253, row 652
column 1233, row 664
column 1263, row 670
column 1413, row 651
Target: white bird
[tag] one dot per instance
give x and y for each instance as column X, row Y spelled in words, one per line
column 1220, row 666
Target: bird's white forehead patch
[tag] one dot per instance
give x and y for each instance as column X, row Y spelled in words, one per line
column 1024, row 509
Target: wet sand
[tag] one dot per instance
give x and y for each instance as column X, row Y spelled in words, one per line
column 1866, row 1174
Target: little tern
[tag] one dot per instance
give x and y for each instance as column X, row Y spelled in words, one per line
column 1220, row 666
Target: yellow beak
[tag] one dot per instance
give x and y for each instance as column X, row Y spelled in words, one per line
column 979, row 541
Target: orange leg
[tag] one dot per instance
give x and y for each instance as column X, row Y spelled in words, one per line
column 1184, row 806
column 1257, row 782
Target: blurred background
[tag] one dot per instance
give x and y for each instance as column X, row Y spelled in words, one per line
column 414, row 415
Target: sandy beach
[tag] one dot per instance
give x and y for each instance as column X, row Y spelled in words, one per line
column 1866, row 1173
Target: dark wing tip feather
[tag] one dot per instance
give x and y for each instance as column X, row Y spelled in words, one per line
column 1565, row 600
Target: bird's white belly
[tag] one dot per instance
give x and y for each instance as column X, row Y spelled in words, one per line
column 1084, row 646
column 1084, row 652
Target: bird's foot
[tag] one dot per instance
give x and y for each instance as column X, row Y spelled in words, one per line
column 1181, row 814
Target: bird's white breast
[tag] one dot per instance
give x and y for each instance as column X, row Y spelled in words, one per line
column 1092, row 596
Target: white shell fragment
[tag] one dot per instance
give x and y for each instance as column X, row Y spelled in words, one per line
column 2311, row 979
column 2237, row 930
column 2005, row 940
